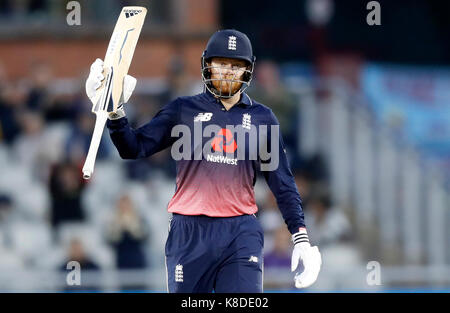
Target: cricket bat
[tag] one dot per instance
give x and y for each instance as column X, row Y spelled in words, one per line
column 115, row 67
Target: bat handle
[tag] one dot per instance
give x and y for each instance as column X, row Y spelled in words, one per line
column 100, row 122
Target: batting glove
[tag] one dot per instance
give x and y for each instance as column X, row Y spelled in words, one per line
column 94, row 81
column 310, row 257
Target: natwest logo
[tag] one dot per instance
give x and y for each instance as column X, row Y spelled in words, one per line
column 224, row 141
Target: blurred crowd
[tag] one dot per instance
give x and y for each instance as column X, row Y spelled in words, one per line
column 49, row 215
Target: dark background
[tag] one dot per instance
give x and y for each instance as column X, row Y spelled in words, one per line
column 411, row 31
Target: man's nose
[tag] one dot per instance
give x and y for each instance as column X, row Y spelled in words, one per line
column 226, row 67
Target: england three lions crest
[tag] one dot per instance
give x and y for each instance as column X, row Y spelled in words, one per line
column 246, row 121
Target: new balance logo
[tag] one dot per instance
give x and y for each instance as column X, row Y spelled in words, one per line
column 232, row 43
column 203, row 117
column 129, row 13
column 253, row 259
column 179, row 273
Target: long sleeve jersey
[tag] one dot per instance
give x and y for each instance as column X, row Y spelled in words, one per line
column 216, row 165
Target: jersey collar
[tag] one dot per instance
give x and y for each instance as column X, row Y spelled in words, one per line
column 244, row 101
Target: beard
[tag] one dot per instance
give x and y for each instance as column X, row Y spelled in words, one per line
column 226, row 87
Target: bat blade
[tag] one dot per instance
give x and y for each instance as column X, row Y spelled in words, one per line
column 120, row 52
column 115, row 67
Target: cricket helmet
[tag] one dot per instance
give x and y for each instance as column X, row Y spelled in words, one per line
column 228, row 43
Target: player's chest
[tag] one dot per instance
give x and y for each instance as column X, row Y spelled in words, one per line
column 218, row 116
column 215, row 130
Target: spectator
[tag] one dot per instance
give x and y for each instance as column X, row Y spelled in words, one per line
column 277, row 258
column 179, row 81
column 5, row 206
column 40, row 79
column 77, row 253
column 304, row 183
column 5, row 213
column 32, row 148
column 66, row 188
column 12, row 97
column 268, row 89
column 79, row 139
column 330, row 229
column 309, row 171
column 280, row 254
column 327, row 225
column 127, row 232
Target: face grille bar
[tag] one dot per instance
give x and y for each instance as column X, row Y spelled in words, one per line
column 208, row 81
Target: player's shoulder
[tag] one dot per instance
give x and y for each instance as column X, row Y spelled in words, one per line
column 200, row 97
column 196, row 97
column 255, row 104
column 262, row 110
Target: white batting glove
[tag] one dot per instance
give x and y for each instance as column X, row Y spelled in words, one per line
column 310, row 257
column 95, row 79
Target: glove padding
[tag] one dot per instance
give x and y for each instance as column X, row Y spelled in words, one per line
column 311, row 259
column 95, row 79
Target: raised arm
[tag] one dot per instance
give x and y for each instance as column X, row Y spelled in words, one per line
column 148, row 139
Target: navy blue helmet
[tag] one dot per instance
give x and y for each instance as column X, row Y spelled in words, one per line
column 228, row 43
